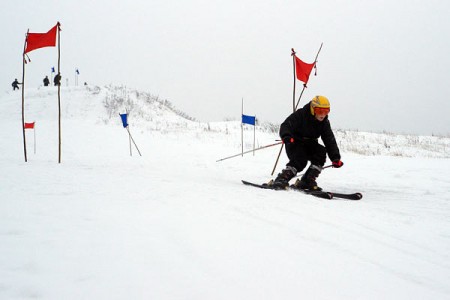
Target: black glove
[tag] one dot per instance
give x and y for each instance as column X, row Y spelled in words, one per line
column 288, row 140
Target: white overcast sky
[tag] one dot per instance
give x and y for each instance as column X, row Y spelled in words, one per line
column 384, row 65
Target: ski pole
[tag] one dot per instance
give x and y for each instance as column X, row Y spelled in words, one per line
column 260, row 148
column 298, row 175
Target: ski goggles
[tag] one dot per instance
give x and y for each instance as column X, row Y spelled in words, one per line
column 321, row 111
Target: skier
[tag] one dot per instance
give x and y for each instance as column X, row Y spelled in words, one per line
column 46, row 81
column 15, row 84
column 300, row 133
column 57, row 79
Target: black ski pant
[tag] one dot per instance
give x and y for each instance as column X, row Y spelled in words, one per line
column 299, row 153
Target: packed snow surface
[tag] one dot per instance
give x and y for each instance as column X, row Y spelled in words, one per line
column 175, row 224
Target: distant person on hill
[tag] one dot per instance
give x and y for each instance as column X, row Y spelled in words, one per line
column 46, row 81
column 15, row 84
column 57, row 79
column 300, row 133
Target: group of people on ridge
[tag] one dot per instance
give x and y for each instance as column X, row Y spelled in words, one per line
column 56, row 81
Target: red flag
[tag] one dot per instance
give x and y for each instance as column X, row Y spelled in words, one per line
column 303, row 69
column 29, row 125
column 41, row 40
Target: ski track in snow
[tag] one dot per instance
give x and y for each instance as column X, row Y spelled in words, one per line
column 174, row 224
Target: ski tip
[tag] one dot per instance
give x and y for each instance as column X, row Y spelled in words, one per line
column 354, row 196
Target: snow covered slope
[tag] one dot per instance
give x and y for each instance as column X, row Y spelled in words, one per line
column 175, row 224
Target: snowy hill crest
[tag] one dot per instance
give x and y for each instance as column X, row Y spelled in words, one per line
column 151, row 113
column 160, row 115
column 143, row 106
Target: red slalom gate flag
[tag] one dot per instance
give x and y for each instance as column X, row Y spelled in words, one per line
column 303, row 70
column 41, row 40
column 29, row 125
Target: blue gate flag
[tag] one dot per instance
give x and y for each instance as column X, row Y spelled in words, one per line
column 124, row 120
column 78, row 72
column 53, row 69
column 248, row 120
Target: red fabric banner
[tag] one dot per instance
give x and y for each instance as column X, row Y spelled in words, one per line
column 303, row 70
column 29, row 125
column 41, row 40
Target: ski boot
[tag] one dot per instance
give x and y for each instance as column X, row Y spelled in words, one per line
column 308, row 180
column 282, row 180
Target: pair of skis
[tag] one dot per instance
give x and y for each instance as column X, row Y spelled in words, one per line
column 319, row 194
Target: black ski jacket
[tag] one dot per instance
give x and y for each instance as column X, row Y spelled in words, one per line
column 304, row 128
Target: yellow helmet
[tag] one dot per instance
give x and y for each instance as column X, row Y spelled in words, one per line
column 320, row 102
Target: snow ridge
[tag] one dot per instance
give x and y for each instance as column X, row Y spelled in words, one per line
column 148, row 112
